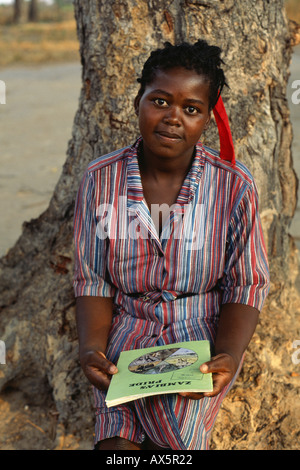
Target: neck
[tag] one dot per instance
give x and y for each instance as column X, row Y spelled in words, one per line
column 164, row 168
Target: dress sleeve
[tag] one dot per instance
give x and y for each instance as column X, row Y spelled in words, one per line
column 246, row 274
column 90, row 274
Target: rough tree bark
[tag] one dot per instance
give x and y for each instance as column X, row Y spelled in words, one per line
column 33, row 10
column 17, row 11
column 37, row 303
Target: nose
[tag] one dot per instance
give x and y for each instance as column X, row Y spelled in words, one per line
column 172, row 116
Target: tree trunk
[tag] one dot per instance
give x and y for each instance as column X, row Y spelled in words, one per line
column 37, row 303
column 33, row 10
column 17, row 11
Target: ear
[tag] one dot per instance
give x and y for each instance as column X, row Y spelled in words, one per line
column 136, row 104
column 207, row 122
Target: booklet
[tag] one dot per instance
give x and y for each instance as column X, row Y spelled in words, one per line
column 157, row 370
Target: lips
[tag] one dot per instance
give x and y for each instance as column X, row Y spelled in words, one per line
column 169, row 135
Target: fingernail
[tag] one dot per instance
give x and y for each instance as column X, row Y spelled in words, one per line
column 113, row 370
column 204, row 368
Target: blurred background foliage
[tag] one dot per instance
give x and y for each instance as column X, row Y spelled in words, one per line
column 44, row 31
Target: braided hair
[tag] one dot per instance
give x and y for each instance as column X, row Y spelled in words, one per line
column 200, row 57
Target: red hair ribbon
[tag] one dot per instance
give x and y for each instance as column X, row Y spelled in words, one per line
column 226, row 143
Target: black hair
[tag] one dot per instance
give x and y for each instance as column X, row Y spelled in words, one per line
column 200, row 57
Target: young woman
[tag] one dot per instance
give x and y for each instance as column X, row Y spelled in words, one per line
column 143, row 276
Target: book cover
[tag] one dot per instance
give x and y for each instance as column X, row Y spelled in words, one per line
column 157, row 370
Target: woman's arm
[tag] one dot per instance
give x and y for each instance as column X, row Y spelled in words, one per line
column 236, row 327
column 94, row 318
column 237, row 324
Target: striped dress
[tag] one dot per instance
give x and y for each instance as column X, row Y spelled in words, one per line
column 167, row 288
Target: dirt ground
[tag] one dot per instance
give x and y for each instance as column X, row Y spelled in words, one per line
column 26, row 426
column 36, row 124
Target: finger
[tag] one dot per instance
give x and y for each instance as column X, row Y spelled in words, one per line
column 97, row 378
column 191, row 395
column 99, row 361
column 220, row 380
column 107, row 365
column 98, row 369
column 100, row 378
column 220, row 363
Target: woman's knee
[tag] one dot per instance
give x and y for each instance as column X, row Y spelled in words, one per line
column 117, row 443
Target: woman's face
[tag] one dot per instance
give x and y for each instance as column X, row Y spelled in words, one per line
column 173, row 112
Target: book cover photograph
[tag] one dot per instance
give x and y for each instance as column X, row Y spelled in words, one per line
column 157, row 370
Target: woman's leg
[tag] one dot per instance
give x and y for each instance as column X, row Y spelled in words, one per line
column 118, row 443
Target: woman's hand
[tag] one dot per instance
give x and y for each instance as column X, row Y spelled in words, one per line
column 236, row 326
column 94, row 319
column 223, row 367
column 97, row 368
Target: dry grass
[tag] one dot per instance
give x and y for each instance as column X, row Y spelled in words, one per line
column 52, row 39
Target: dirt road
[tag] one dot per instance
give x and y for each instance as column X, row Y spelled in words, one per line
column 35, row 127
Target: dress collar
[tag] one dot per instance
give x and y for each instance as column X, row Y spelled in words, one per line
column 134, row 183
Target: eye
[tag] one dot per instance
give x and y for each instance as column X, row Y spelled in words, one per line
column 192, row 110
column 160, row 102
